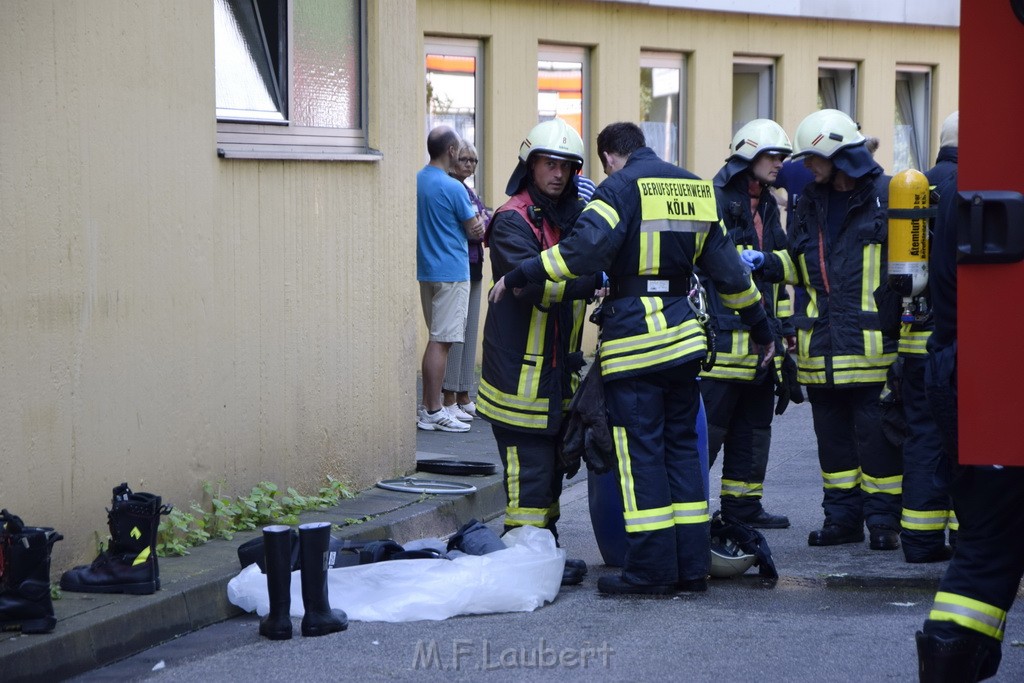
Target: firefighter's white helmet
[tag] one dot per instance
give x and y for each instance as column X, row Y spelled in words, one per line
column 554, row 138
column 759, row 136
column 728, row 559
column 825, row 132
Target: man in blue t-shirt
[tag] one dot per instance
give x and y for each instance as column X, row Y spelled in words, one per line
column 445, row 218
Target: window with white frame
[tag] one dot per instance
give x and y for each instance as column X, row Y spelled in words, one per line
column 291, row 79
column 562, row 85
column 753, row 90
column 837, row 87
column 911, row 147
column 455, row 90
column 662, row 106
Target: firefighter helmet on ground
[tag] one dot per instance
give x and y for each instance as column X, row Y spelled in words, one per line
column 728, row 559
column 553, row 138
column 825, row 132
column 759, row 136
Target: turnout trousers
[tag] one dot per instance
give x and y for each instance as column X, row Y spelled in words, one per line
column 740, row 418
column 532, row 480
column 653, row 422
column 926, row 505
column 983, row 577
column 860, row 469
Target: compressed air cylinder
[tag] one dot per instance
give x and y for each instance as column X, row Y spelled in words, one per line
column 908, row 233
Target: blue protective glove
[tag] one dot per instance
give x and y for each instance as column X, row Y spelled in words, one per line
column 753, row 258
column 584, row 187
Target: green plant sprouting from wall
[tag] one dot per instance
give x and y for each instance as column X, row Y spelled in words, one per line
column 226, row 515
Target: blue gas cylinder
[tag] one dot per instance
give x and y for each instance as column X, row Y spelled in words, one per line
column 605, row 498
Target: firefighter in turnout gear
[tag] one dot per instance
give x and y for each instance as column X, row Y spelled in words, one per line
column 927, row 509
column 962, row 637
column 647, row 226
column 738, row 394
column 531, row 344
column 838, row 243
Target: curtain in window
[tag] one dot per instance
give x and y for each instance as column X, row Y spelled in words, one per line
column 908, row 154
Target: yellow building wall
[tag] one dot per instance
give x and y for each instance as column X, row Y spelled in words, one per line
column 168, row 317
column 615, row 35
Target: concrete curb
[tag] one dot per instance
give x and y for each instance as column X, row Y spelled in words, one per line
column 94, row 630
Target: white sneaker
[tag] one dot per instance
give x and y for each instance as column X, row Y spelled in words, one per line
column 441, row 421
column 468, row 408
column 456, row 411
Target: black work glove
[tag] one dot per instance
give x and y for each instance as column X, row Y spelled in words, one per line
column 515, row 278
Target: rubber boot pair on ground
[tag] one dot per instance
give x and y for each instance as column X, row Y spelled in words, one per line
column 318, row 618
column 25, row 602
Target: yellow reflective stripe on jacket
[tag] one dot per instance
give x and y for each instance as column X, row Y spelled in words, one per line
column 512, row 409
column 850, row 479
column 648, row 254
column 912, row 341
column 954, row 523
column 924, row 520
column 890, row 485
column 748, row 297
column 533, row 356
column 975, row 615
column 654, row 318
column 647, row 350
column 789, row 273
column 553, row 292
column 871, row 276
column 554, row 265
column 606, row 211
column 690, row 513
column 783, row 307
column 742, row 489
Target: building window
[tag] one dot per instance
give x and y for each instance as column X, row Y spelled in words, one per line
column 837, row 87
column 753, row 90
column 562, row 83
column 913, row 117
column 455, row 91
column 662, row 114
column 291, row 79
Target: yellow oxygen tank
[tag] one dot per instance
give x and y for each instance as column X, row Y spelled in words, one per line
column 909, row 211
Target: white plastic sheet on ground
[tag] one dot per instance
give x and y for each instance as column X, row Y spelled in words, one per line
column 520, row 578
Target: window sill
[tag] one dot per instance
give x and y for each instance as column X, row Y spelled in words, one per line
column 297, row 154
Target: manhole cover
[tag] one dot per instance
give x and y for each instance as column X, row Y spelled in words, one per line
column 415, row 485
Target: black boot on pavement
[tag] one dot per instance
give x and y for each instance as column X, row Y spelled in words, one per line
column 766, row 520
column 884, row 538
column 616, row 585
column 832, row 534
column 277, row 548
column 573, row 572
column 25, row 602
column 129, row 563
column 955, row 660
column 940, row 554
column 318, row 618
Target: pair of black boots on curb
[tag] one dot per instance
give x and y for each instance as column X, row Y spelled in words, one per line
column 881, row 537
column 25, row 602
column 129, row 563
column 315, row 559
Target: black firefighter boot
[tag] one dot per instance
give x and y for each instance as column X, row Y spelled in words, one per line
column 957, row 659
column 318, row 618
column 277, row 548
column 128, row 565
column 25, row 576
